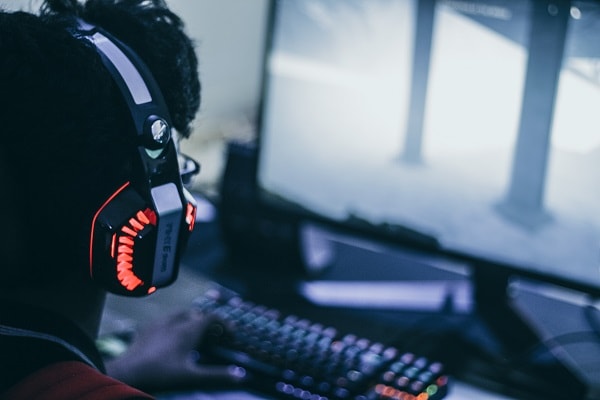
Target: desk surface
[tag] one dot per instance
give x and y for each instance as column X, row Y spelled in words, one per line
column 125, row 313
column 129, row 312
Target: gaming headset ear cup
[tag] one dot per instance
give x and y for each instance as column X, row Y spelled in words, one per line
column 122, row 242
column 129, row 255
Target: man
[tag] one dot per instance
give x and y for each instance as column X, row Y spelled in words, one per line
column 66, row 148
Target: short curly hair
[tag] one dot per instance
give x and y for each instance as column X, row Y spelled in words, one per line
column 64, row 138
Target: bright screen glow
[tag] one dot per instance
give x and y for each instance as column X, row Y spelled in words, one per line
column 335, row 127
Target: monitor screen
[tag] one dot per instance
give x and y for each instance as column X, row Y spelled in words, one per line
column 474, row 122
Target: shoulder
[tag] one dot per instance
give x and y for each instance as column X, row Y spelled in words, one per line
column 72, row 380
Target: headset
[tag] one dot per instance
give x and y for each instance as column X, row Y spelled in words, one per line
column 139, row 233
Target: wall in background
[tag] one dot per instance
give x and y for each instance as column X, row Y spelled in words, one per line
column 229, row 37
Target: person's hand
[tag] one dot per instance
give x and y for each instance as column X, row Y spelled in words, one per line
column 163, row 356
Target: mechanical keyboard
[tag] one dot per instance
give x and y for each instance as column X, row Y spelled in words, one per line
column 294, row 358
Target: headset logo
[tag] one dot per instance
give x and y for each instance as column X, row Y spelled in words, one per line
column 167, row 247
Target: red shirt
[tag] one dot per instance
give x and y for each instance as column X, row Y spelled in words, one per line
column 44, row 356
column 70, row 380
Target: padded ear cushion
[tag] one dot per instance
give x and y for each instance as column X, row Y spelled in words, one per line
column 135, row 246
column 122, row 244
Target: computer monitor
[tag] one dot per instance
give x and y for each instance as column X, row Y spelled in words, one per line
column 464, row 130
column 471, row 127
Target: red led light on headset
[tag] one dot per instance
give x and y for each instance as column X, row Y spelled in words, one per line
column 190, row 216
column 126, row 248
column 122, row 246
